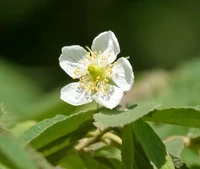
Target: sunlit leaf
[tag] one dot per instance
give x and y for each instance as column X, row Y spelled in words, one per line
column 114, row 118
column 50, row 130
column 179, row 116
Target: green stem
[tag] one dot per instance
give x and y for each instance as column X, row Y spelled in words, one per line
column 85, row 143
column 88, row 141
column 186, row 140
column 113, row 137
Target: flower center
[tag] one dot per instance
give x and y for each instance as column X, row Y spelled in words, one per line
column 98, row 72
column 95, row 71
column 97, row 78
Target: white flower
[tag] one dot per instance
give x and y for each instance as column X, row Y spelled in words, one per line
column 99, row 78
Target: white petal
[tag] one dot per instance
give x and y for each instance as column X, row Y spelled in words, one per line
column 70, row 57
column 72, row 94
column 108, row 44
column 111, row 99
column 123, row 74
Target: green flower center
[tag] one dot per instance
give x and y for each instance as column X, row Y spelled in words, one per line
column 95, row 71
column 98, row 73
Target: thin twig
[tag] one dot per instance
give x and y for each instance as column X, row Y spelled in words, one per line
column 113, row 137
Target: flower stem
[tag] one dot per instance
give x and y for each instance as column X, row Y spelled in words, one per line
column 113, row 137
column 88, row 141
column 185, row 139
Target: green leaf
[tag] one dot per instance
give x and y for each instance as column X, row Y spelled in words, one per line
column 141, row 158
column 173, row 136
column 152, row 145
column 72, row 161
column 194, row 133
column 20, row 127
column 112, row 154
column 175, row 145
column 89, row 161
column 127, row 150
column 116, row 163
column 115, row 118
column 3, row 166
column 109, row 152
column 50, row 130
column 13, row 154
column 179, row 116
column 165, row 131
column 190, row 157
column 92, row 163
column 12, row 149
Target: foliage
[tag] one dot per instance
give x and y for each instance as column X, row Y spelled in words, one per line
column 161, row 131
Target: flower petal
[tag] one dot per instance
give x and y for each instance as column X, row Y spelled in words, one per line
column 123, row 74
column 72, row 94
column 110, row 99
column 70, row 57
column 108, row 44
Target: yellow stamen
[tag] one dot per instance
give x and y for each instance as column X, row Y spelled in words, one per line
column 97, row 74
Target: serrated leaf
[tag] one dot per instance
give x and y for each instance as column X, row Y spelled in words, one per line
column 13, row 154
column 188, row 116
column 127, row 150
column 152, row 145
column 115, row 118
column 52, row 129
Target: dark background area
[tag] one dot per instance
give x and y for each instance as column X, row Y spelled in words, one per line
column 155, row 34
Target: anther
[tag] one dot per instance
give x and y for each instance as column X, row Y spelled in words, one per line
column 105, row 81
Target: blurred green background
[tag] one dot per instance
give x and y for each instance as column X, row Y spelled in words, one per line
column 155, row 34
column 161, row 37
